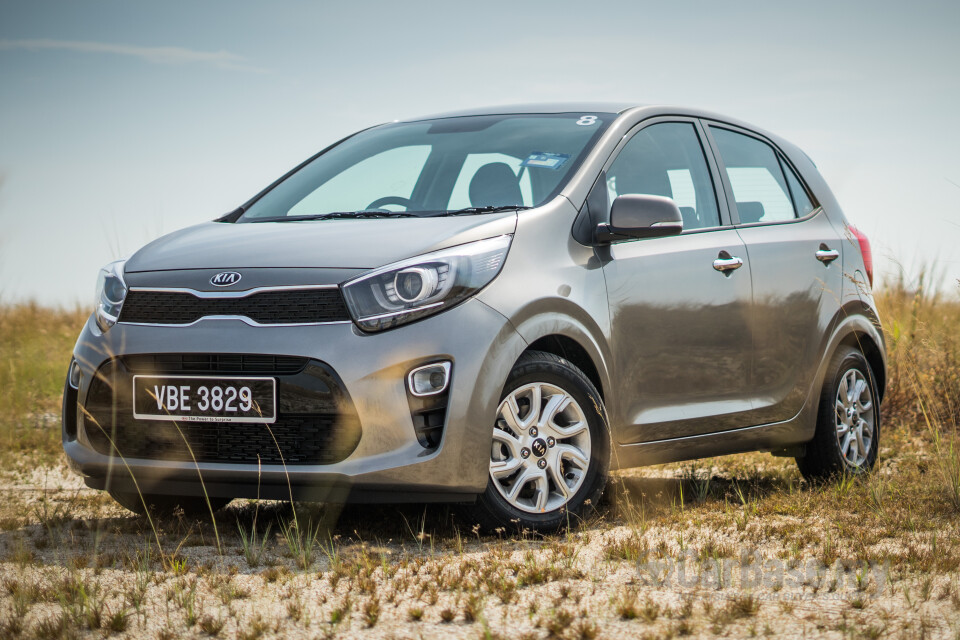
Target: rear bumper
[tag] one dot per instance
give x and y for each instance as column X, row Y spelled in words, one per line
column 388, row 462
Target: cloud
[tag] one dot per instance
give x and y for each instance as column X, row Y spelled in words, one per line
column 156, row 55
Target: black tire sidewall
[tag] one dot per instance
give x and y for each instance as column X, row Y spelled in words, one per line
column 826, row 446
column 550, row 369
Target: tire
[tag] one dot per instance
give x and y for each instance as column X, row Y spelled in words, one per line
column 847, row 436
column 572, row 446
column 192, row 506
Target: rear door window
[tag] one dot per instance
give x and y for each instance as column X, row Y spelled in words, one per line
column 756, row 178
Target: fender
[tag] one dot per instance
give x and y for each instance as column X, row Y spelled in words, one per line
column 565, row 318
column 853, row 320
column 858, row 317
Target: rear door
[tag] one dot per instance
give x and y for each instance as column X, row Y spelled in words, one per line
column 680, row 330
column 795, row 267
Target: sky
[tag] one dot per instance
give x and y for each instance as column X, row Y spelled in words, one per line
column 122, row 121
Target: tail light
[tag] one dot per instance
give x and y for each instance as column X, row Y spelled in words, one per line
column 865, row 251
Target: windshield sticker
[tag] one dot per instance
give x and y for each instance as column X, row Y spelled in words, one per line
column 545, row 160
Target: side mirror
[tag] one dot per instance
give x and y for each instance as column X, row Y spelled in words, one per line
column 640, row 216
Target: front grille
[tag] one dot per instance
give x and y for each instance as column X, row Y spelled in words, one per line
column 299, row 440
column 286, row 306
column 316, row 420
column 200, row 363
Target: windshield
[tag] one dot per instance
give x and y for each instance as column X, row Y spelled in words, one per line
column 436, row 167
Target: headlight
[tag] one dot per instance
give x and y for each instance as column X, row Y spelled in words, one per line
column 111, row 292
column 421, row 286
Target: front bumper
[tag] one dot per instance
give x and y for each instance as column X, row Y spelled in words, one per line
column 387, row 464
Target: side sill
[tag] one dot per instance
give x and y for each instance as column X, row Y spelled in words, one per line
column 765, row 437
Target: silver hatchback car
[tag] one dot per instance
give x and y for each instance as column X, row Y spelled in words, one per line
column 494, row 307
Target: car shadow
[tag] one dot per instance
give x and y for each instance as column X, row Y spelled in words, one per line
column 62, row 535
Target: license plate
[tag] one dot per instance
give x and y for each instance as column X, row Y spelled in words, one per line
column 201, row 399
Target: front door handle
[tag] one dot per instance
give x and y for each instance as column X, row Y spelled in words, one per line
column 726, row 263
column 826, row 255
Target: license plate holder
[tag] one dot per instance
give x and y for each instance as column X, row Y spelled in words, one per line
column 205, row 398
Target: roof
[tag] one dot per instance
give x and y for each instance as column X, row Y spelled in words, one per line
column 585, row 107
column 539, row 107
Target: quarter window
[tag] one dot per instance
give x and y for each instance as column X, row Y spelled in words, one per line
column 667, row 160
column 764, row 187
column 801, row 201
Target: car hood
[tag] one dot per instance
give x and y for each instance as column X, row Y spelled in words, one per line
column 344, row 244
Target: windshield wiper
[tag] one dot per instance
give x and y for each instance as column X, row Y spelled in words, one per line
column 373, row 214
column 469, row 211
column 338, row 215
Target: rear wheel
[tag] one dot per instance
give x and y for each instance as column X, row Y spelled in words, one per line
column 848, row 424
column 550, row 450
column 192, row 506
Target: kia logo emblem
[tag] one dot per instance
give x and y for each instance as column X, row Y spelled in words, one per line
column 225, row 279
column 539, row 447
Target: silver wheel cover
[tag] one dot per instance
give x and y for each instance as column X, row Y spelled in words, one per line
column 855, row 418
column 541, row 448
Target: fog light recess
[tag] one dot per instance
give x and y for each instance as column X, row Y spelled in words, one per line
column 429, row 380
column 75, row 375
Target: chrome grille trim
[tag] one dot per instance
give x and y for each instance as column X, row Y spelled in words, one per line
column 232, row 294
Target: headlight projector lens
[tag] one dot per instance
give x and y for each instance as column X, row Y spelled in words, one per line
column 415, row 284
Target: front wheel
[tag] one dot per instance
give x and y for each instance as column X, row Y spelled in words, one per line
column 847, row 438
column 550, row 450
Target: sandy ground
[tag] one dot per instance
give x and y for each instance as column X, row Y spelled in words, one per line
column 655, row 561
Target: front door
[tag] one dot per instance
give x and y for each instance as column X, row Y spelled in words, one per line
column 679, row 306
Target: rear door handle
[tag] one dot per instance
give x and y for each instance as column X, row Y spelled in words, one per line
column 726, row 263
column 826, row 255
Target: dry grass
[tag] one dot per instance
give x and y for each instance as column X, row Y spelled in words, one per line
column 35, row 348
column 923, row 391
column 923, row 347
column 737, row 546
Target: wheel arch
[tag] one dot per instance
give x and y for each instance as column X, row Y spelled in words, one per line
column 858, row 326
column 571, row 350
column 865, row 344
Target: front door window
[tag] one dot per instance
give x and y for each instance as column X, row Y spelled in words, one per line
column 667, row 160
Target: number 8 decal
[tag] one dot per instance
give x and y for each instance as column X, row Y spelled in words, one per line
column 586, row 121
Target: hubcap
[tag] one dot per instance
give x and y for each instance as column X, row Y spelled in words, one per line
column 541, row 448
column 855, row 418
